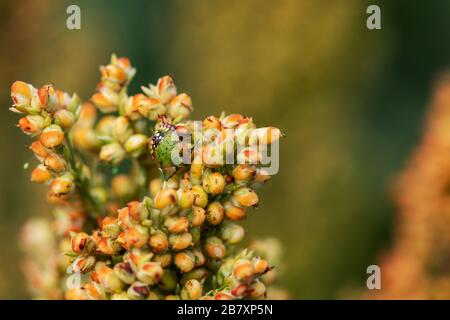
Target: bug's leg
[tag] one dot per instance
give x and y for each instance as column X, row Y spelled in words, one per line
column 167, row 175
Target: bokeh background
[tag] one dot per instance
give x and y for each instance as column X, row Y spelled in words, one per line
column 350, row 100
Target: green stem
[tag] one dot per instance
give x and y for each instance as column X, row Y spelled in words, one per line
column 81, row 183
column 142, row 176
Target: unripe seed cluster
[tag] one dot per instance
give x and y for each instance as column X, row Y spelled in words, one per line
column 118, row 230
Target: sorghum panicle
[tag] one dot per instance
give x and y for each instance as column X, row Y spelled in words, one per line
column 124, row 234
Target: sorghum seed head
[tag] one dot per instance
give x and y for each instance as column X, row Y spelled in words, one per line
column 185, row 260
column 113, row 74
column 213, row 155
column 262, row 176
column 155, row 187
column 83, row 264
column 180, row 241
column 165, row 198
column 122, row 129
column 138, row 211
column 234, row 212
column 112, row 153
column 249, row 155
column 150, row 273
column 192, row 290
column 124, row 272
column 185, row 198
column 245, row 197
column 216, row 183
column 138, row 291
column 215, row 248
column 55, row 162
column 239, row 290
column 110, row 227
column 123, row 187
column 107, row 245
column 62, row 184
column 39, row 150
column 177, row 224
column 31, row 124
column 232, row 233
column 136, row 144
column 137, row 257
column 45, row 96
column 266, row 136
column 180, row 107
column 40, row 174
column 108, row 279
column 165, row 88
column 261, row 266
column 257, row 290
column 215, row 213
column 212, row 122
column 21, row 94
column 164, row 259
column 64, row 118
column 243, row 270
column 52, row 136
column 232, row 121
column 125, row 219
column 94, row 291
column 130, row 107
column 199, row 258
column 246, row 122
column 152, row 109
column 84, row 138
column 57, row 199
column 105, row 126
column 243, row 172
column 159, row 242
column 198, row 216
column 88, row 114
column 196, row 171
column 134, row 237
column 105, row 99
column 82, row 243
column 200, row 196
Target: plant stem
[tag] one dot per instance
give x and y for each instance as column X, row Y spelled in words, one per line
column 81, row 183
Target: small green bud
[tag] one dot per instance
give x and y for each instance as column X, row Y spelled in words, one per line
column 169, row 280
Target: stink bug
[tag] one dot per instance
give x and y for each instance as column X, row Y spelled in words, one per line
column 166, row 149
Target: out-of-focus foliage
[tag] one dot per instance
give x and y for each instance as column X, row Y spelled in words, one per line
column 417, row 265
column 349, row 100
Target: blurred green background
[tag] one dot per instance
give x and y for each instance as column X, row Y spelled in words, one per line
column 349, row 99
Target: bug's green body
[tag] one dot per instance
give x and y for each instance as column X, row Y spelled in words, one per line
column 162, row 144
